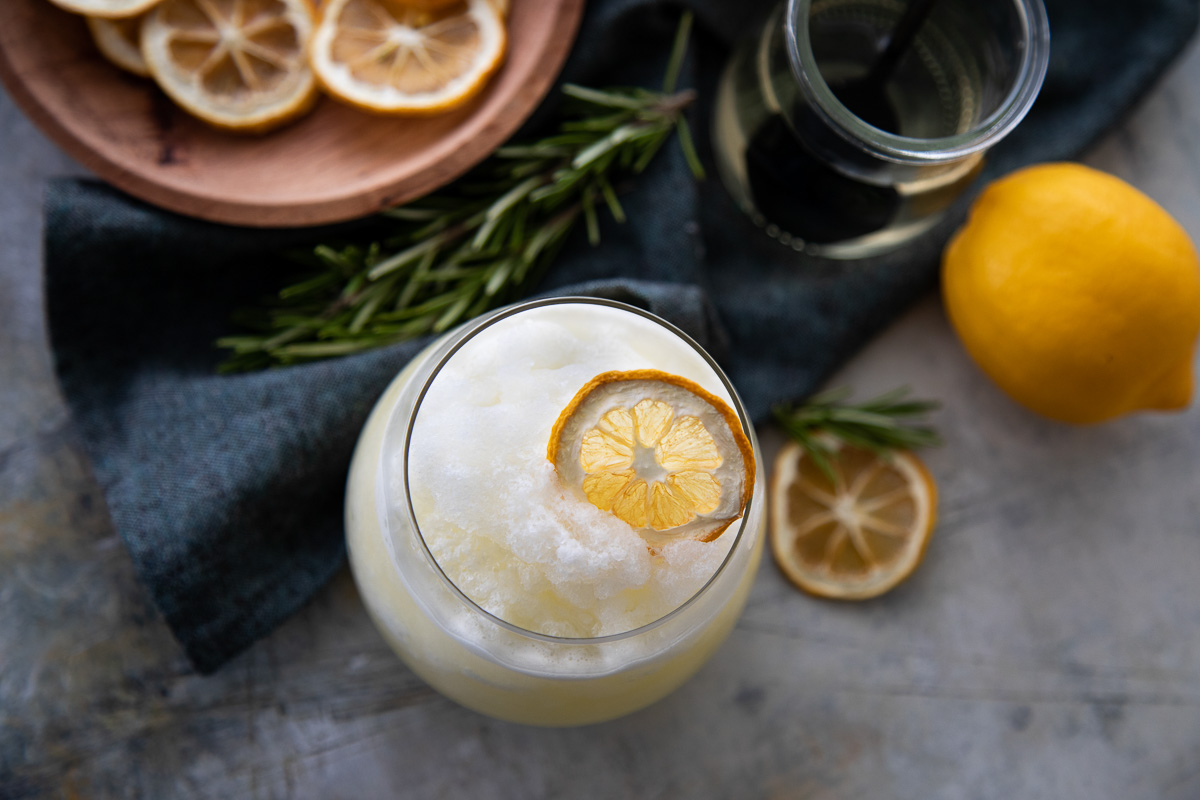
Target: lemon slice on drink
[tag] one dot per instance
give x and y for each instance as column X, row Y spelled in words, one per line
column 392, row 58
column 658, row 452
column 120, row 41
column 110, row 9
column 236, row 64
column 854, row 536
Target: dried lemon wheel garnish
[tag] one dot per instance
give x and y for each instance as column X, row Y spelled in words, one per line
column 236, row 64
column 855, row 536
column 110, row 9
column 392, row 58
column 120, row 41
column 658, row 452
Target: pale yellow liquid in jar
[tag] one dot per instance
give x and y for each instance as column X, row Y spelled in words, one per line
column 498, row 670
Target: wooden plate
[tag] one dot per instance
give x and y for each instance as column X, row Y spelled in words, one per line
column 335, row 164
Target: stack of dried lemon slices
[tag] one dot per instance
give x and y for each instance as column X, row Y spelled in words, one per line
column 252, row 65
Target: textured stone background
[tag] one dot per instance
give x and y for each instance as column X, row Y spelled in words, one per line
column 1047, row 648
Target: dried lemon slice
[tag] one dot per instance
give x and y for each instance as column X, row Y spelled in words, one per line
column 393, row 58
column 237, row 64
column 855, row 536
column 657, row 451
column 120, row 41
column 109, row 9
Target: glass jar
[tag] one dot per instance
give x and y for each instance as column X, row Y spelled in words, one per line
column 835, row 164
column 480, row 660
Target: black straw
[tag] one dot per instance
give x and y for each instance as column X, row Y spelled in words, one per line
column 902, row 36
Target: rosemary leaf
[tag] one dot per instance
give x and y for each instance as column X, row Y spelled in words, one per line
column 512, row 197
column 610, row 198
column 407, row 256
column 614, row 99
column 589, row 216
column 411, row 213
column 500, row 272
column 451, row 314
column 678, row 51
column 374, row 299
column 689, row 149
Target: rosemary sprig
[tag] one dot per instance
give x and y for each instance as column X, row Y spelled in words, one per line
column 478, row 244
column 881, row 424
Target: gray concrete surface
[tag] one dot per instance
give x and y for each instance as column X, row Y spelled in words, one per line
column 1049, row 647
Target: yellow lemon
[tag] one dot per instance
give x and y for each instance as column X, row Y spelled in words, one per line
column 1076, row 293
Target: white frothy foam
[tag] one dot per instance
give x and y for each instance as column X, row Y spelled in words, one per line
column 489, row 503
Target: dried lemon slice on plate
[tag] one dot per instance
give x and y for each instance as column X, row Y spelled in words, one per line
column 110, row 9
column 237, row 64
column 855, row 536
column 392, row 58
column 120, row 41
column 657, row 451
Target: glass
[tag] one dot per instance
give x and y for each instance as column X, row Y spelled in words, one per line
column 482, row 661
column 840, row 183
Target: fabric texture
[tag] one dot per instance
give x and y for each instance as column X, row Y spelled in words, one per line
column 228, row 489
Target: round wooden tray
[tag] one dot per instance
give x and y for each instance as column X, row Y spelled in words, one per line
column 335, row 164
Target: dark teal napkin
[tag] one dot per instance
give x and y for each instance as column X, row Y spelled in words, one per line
column 228, row 490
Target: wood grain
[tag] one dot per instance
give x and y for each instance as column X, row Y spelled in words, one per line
column 335, row 164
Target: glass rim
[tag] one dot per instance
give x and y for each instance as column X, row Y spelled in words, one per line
column 1035, row 58
column 485, row 323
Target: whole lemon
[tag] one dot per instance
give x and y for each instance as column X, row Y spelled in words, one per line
column 1076, row 293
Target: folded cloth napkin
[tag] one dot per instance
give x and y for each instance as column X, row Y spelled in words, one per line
column 228, row 489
